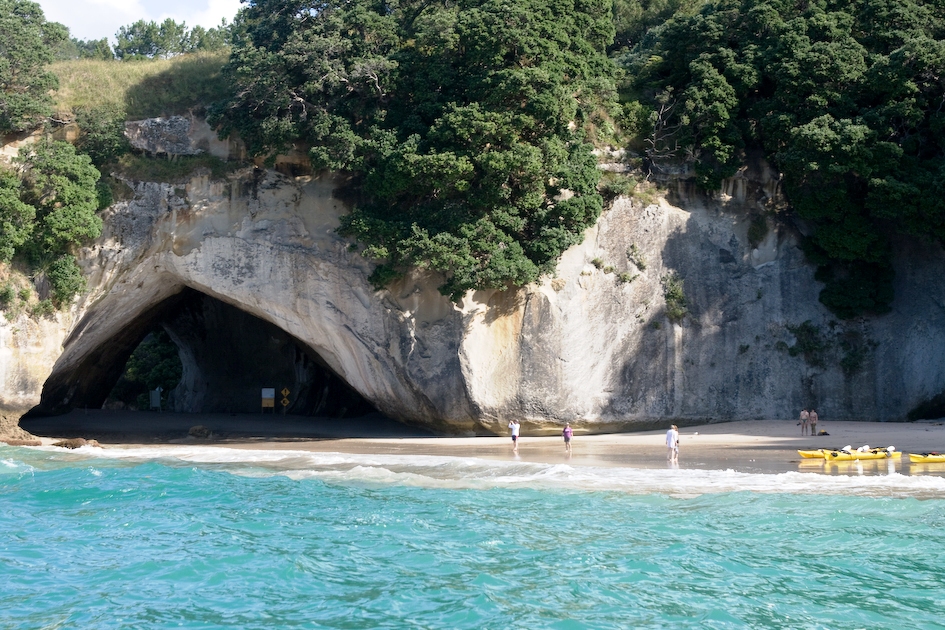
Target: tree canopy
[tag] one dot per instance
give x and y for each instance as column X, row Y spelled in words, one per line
column 73, row 48
column 466, row 125
column 27, row 44
column 150, row 40
column 847, row 99
column 46, row 209
column 461, row 122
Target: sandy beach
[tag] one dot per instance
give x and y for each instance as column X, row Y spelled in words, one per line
column 748, row 446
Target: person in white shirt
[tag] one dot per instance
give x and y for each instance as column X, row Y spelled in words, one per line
column 672, row 443
column 516, row 427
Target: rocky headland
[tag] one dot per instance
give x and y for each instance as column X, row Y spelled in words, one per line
column 667, row 311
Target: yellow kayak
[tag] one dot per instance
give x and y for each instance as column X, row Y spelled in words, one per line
column 926, row 458
column 818, row 454
column 876, row 453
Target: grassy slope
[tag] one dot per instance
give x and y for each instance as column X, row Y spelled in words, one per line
column 142, row 89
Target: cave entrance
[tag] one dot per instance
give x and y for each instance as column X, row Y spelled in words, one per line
column 227, row 356
column 224, row 358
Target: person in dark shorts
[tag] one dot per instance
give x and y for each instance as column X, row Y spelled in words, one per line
column 516, row 428
column 567, row 434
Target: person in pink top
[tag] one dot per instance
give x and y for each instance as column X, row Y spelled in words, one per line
column 567, row 434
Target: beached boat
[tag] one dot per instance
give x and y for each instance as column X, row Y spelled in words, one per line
column 818, row 454
column 849, row 456
column 927, row 458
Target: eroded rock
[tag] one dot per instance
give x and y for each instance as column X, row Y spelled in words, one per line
column 592, row 345
column 73, row 443
column 199, row 431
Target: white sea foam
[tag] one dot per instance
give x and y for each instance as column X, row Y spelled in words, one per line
column 475, row 473
column 15, row 467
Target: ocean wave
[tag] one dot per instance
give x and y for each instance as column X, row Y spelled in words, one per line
column 449, row 472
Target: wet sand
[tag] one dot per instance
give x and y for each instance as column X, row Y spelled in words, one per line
column 767, row 446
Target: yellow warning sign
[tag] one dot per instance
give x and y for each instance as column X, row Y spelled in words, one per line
column 285, row 391
column 285, row 402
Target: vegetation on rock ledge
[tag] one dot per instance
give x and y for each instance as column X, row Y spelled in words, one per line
column 464, row 123
column 46, row 209
column 467, row 126
column 845, row 97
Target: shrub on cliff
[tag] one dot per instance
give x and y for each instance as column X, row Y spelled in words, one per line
column 846, row 99
column 16, row 217
column 462, row 123
column 48, row 208
column 60, row 184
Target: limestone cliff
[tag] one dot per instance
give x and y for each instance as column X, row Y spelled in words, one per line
column 591, row 345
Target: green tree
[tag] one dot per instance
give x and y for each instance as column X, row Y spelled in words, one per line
column 154, row 363
column 16, row 217
column 60, row 184
column 101, row 133
column 73, row 48
column 845, row 97
column 27, row 44
column 634, row 18
column 65, row 279
column 462, row 123
column 150, row 40
column 216, row 38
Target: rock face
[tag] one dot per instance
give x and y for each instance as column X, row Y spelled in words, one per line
column 593, row 345
column 28, row 350
column 267, row 245
column 179, row 135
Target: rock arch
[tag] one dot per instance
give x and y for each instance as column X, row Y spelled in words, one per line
column 227, row 357
column 265, row 246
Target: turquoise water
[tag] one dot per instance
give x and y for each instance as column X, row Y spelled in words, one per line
column 196, row 537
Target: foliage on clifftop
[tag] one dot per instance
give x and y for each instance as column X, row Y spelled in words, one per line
column 27, row 41
column 845, row 97
column 462, row 122
column 48, row 197
column 467, row 125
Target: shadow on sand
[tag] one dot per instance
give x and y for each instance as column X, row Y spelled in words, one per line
column 114, row 427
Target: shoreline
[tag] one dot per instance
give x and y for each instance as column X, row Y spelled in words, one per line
column 759, row 446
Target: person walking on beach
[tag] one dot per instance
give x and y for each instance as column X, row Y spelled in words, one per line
column 672, row 443
column 567, row 434
column 805, row 418
column 813, row 418
column 516, row 427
